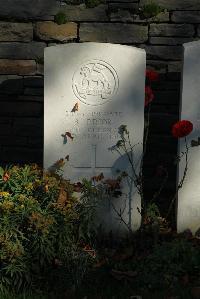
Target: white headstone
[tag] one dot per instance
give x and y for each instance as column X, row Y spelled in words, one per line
column 107, row 81
column 189, row 194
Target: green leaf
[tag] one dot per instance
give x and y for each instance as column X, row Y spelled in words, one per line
column 1, row 171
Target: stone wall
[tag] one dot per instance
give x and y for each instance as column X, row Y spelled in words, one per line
column 26, row 29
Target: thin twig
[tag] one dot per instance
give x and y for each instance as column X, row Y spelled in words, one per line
column 142, row 157
column 182, row 180
column 133, row 168
column 161, row 187
column 121, row 218
column 186, row 165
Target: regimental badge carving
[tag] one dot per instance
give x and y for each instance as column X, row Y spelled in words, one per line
column 95, row 82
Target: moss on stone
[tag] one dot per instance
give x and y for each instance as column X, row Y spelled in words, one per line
column 151, row 9
column 60, row 18
column 39, row 60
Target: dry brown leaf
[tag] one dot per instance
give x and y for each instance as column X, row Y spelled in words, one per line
column 6, row 176
column 62, row 197
column 68, row 134
column 195, row 292
column 98, row 177
column 119, row 275
column 113, row 184
column 75, row 108
column 100, row 264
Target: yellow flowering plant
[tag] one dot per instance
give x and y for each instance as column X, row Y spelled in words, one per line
column 39, row 224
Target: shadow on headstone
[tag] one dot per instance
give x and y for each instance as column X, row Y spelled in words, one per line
column 188, row 213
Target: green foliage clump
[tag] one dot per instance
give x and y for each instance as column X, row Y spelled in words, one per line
column 39, row 60
column 40, row 224
column 158, row 271
column 151, row 9
column 168, row 262
column 60, row 18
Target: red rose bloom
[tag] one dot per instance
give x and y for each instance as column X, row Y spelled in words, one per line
column 182, row 128
column 149, row 96
column 152, row 75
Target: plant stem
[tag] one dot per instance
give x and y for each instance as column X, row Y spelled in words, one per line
column 182, row 180
column 121, row 218
column 141, row 162
column 186, row 165
column 161, row 187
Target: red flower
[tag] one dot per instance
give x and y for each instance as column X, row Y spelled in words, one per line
column 149, row 96
column 152, row 75
column 182, row 128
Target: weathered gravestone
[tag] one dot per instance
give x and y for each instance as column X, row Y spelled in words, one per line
column 90, row 90
column 189, row 194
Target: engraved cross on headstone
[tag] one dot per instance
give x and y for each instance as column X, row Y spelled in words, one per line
column 93, row 170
